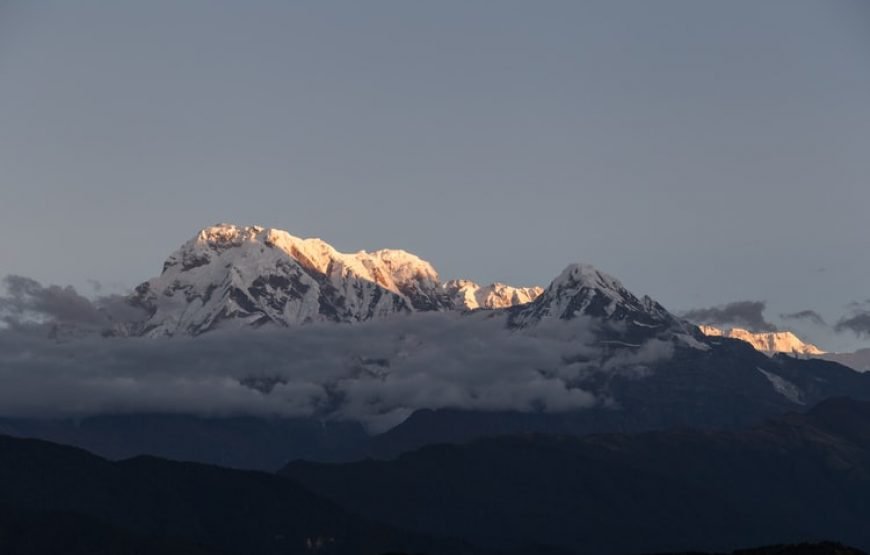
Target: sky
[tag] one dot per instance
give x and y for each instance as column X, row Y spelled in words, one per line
column 703, row 152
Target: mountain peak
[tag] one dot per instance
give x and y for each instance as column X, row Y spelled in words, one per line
column 586, row 273
column 224, row 232
column 583, row 290
column 252, row 275
column 769, row 342
column 237, row 276
column 576, row 277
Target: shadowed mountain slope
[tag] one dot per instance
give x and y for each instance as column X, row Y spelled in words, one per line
column 798, row 478
column 175, row 507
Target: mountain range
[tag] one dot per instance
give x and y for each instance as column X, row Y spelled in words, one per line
column 229, row 275
column 390, row 343
column 798, row 477
column 57, row 499
column 795, row 478
column 235, row 276
column 406, row 414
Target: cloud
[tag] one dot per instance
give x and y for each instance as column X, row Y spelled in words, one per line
column 377, row 372
column 744, row 314
column 26, row 298
column 28, row 303
column 857, row 323
column 810, row 315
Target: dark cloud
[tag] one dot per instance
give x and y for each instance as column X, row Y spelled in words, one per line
column 743, row 314
column 28, row 303
column 810, row 315
column 26, row 298
column 857, row 323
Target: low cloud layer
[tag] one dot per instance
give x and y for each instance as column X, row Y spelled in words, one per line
column 377, row 373
column 742, row 314
column 808, row 315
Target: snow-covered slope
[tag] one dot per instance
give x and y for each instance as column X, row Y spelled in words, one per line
column 769, row 342
column 238, row 276
column 469, row 295
column 235, row 276
column 582, row 290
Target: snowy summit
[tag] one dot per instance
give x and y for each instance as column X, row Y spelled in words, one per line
column 251, row 275
column 769, row 342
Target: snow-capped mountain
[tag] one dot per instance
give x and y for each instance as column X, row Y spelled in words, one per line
column 582, row 290
column 769, row 342
column 469, row 295
column 231, row 275
column 584, row 355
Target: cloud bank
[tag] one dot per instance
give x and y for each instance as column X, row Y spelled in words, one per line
column 377, row 373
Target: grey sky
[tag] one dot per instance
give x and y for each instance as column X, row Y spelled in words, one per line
column 704, row 152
